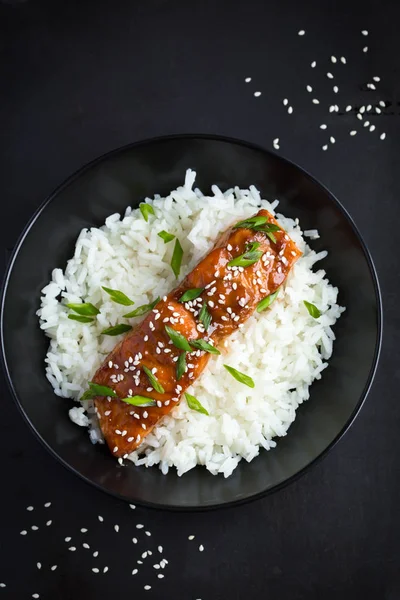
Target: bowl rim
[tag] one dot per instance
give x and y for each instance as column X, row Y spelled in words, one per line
column 154, row 140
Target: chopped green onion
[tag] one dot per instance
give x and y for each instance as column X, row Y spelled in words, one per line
column 153, row 380
column 146, row 210
column 181, row 366
column 312, row 309
column 98, row 390
column 85, row 309
column 191, row 294
column 142, row 310
column 178, row 339
column 117, row 329
column 176, row 259
column 118, row 297
column 203, row 345
column 271, row 236
column 81, row 319
column 265, row 302
column 241, row 377
column 194, row 404
column 139, row 401
column 251, row 223
column 204, row 316
column 252, row 246
column 246, row 259
column 167, row 237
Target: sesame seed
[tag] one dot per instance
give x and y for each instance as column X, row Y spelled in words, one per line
column 365, row 49
column 381, row 103
column 332, row 108
column 95, row 570
column 100, row 517
column 39, row 565
column 334, row 59
column 372, row 128
column 290, row 110
column 332, row 139
column 35, row 596
column 329, row 75
column 160, row 576
column 335, row 89
column 309, row 88
column 301, row 32
column 160, row 549
column 348, row 108
column 364, row 32
column 156, row 566
column 276, row 141
column 134, row 540
column 135, row 571
column 30, row 508
column 285, row 102
column 116, row 527
column 366, row 124
column 359, row 116
column 315, row 101
column 48, row 523
column 3, row 585
column 353, row 132
column 86, row 545
column 72, row 548
column 68, row 539
column 23, row 532
column 325, row 147
column 34, row 527
column 257, row 94
column 95, row 554
column 248, row 79
column 382, row 136
column 139, row 526
column 147, row 587
column 105, row 569
column 54, row 567
column 323, row 126
column 201, row 548
column 144, row 554
column 191, row 537
column 313, row 64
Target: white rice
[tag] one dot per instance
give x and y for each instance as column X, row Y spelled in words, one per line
column 283, row 349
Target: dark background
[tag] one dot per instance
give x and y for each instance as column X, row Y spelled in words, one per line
column 81, row 78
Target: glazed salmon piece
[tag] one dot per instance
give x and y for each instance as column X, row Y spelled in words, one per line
column 231, row 294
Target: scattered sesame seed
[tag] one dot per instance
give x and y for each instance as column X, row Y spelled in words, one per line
column 359, row 116
column 95, row 554
column 376, row 78
column 72, row 548
column 30, row 508
column 290, row 110
column 54, row 567
column 116, row 527
column 335, row 89
column 285, row 102
column 372, row 128
column 34, row 527
column 100, row 517
column 68, row 539
column 334, row 59
column 257, row 94
column 313, row 64
column 248, row 79
column 366, row 124
column 348, row 108
column 364, row 32
column 160, row 576
column 48, row 523
column 35, row 596
column 381, row 103
column 323, row 126
column 95, row 570
column 315, row 101
column 135, row 571
column 378, row 110
column 329, row 75
column 201, row 548
column 39, row 565
column 23, row 532
column 332, row 108
column 160, row 549
column 148, row 533
column 276, row 141
column 3, row 585
column 139, row 526
column 332, row 139
column 365, row 49
column 353, row 132
column 86, row 545
column 325, row 147
column 309, row 88
column 301, row 32
column 144, row 554
column 105, row 569
column 382, row 136
column 191, row 537
column 147, row 587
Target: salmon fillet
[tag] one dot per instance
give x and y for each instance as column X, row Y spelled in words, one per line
column 231, row 294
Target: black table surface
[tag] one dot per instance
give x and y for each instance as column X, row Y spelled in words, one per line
column 81, row 78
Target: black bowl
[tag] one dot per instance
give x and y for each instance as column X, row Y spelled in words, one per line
column 124, row 177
